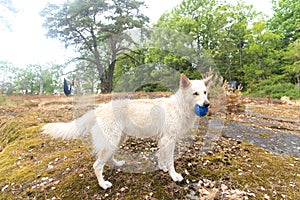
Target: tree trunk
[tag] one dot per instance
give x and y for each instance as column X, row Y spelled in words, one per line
column 100, row 70
column 107, row 78
column 111, row 75
column 41, row 81
column 111, row 68
column 41, row 86
column 103, row 84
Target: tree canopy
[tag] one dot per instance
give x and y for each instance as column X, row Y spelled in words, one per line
column 242, row 44
column 32, row 79
column 97, row 28
column 6, row 7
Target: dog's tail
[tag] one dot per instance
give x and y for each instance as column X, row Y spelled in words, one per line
column 74, row 129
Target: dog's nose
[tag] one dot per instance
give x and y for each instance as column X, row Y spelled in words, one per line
column 206, row 104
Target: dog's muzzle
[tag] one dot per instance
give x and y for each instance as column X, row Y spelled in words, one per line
column 206, row 104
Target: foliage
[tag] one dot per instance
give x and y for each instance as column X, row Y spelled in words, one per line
column 216, row 28
column 51, row 77
column 291, row 68
column 148, row 77
column 33, row 79
column 86, row 79
column 97, row 29
column 242, row 44
column 154, row 87
column 6, row 8
column 196, row 35
column 8, row 74
column 275, row 87
column 286, row 21
column 158, row 62
column 261, row 55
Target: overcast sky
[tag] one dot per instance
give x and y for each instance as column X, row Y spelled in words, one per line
column 26, row 42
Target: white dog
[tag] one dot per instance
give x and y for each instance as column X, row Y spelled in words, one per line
column 164, row 118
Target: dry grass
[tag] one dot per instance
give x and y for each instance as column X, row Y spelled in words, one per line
column 34, row 166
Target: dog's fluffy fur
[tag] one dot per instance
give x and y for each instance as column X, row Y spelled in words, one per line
column 164, row 118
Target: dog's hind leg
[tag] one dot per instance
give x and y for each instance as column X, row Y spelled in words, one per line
column 105, row 146
column 104, row 155
column 119, row 163
column 98, row 167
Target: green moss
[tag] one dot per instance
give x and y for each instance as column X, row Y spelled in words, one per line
column 2, row 99
column 33, row 165
column 265, row 135
column 20, row 127
column 32, row 104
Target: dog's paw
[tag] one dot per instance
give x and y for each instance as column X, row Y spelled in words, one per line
column 119, row 163
column 176, row 177
column 105, row 184
column 162, row 167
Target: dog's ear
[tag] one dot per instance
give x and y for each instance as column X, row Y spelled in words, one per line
column 184, row 81
column 207, row 80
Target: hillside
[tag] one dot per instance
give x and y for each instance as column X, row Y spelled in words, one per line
column 34, row 166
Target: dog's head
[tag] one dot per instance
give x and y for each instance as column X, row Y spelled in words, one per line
column 196, row 90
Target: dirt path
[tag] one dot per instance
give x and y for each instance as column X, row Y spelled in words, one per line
column 273, row 127
column 275, row 141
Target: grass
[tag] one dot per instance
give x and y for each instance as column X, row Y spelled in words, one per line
column 283, row 111
column 2, row 99
column 265, row 135
column 33, row 165
column 254, row 169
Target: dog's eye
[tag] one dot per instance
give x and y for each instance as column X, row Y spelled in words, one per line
column 196, row 93
column 205, row 92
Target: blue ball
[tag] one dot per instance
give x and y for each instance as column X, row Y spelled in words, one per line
column 200, row 110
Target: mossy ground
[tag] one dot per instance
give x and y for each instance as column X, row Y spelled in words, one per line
column 278, row 110
column 34, row 166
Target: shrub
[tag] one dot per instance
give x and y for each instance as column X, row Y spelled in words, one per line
column 268, row 88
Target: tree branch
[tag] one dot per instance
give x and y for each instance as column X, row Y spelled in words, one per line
column 80, row 58
column 80, row 34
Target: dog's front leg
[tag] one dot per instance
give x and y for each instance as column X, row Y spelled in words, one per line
column 119, row 163
column 175, row 176
column 166, row 158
